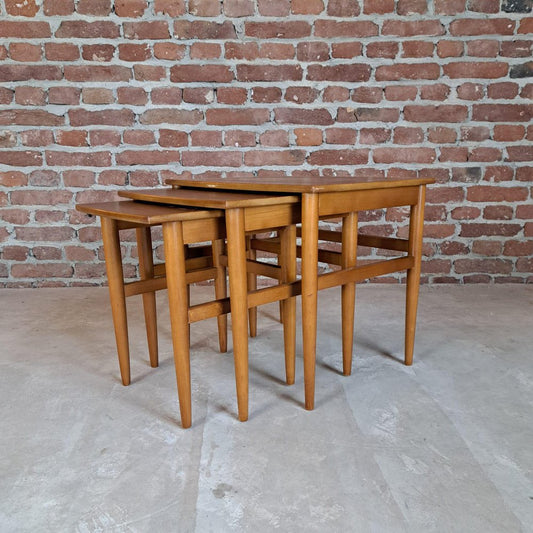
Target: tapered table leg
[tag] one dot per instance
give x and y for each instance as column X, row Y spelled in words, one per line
column 348, row 259
column 239, row 304
column 252, row 285
column 178, row 307
column 220, row 293
column 309, row 292
column 288, row 275
column 115, row 278
column 416, row 229
column 146, row 270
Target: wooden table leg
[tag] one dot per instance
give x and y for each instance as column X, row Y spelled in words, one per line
column 288, row 275
column 239, row 304
column 309, row 292
column 220, row 293
column 416, row 229
column 252, row 285
column 179, row 320
column 348, row 259
column 115, row 278
column 146, row 271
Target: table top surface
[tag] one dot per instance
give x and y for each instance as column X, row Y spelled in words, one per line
column 208, row 199
column 296, row 184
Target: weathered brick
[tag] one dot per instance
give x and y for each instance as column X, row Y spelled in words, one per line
column 343, row 8
column 351, row 29
column 200, row 29
column 467, row 69
column 494, row 26
column 82, row 159
column 25, row 52
column 367, row 94
column 22, row 158
column 147, row 157
column 239, row 8
column 172, row 138
column 274, row 157
column 308, row 136
column 81, row 29
column 502, row 112
column 219, row 158
column 111, row 117
column 353, row 72
column 204, row 73
column 273, row 8
column 411, row 7
column 98, row 8
column 97, row 73
column 130, row 8
column 232, row 95
column 24, row 30
column 412, row 28
column 71, row 137
column 132, row 96
column 61, row 51
column 408, row 71
column 170, row 116
column 166, row 95
column 205, row 51
column 508, row 133
column 241, row 138
column 339, row 157
column 58, row 7
column 98, row 52
column 307, row 7
column 303, row 116
column 417, row 49
column 498, row 212
column 169, row 51
column 27, row 72
column 379, row 7
column 172, row 8
column 388, row 50
column 229, row 116
column 404, row 155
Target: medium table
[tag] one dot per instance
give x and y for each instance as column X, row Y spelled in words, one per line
column 340, row 197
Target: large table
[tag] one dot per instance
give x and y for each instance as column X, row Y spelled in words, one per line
column 324, row 198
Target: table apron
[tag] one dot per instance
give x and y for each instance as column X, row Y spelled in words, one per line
column 271, row 216
column 337, row 203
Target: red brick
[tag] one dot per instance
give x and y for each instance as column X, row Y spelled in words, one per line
column 42, row 270
column 487, row 193
column 202, row 29
column 240, row 138
column 343, row 8
column 273, row 8
column 518, row 48
column 277, row 51
column 353, row 72
column 476, row 70
column 465, row 213
column 507, row 90
column 36, row 197
column 98, row 52
column 6, row 96
column 22, row 158
column 64, row 95
column 485, row 154
column 400, row 92
column 372, row 114
column 498, row 212
column 141, row 178
column 58, row 7
column 443, row 113
column 97, row 95
column 458, row 154
column 29, row 8
column 149, row 72
column 61, row 52
column 404, row 135
column 197, row 73
column 232, row 95
column 525, row 265
column 453, row 248
column 44, row 234
column 98, row 8
column 27, row 72
column 205, row 51
column 97, row 73
column 438, row 91
column 302, row 116
column 269, row 72
column 466, row 174
column 307, row 7
column 81, row 29
column 130, row 8
column 248, row 51
column 223, row 117
column 470, row 91
column 217, row 158
column 79, row 253
column 483, row 48
column 388, row 50
column 15, row 253
column 8, row 139
column 367, row 95
column 475, row 133
column 491, row 266
column 450, row 49
column 266, row 94
column 404, row 155
column 32, row 117
column 524, row 212
column 412, row 28
column 378, row 7
column 30, row 96
column 171, row 116
column 169, row 51
column 408, row 71
column 83, row 159
column 374, row 135
column 112, row 177
column 502, row 112
column 141, row 137
column 24, row 30
column 25, row 52
column 351, row 29
column 274, row 157
column 308, row 136
column 301, row 95
column 172, row 138
column 71, row 137
column 417, row 49
column 240, row 8
column 524, row 173
column 335, row 94
column 109, row 117
column 172, row 8
column 132, row 96
column 520, row 153
column 147, row 30
column 411, row 7
column 206, row 138
column 166, row 95
column 339, row 157
column 13, row 179
column 134, row 52
column 494, row 26
column 487, row 248
column 509, row 133
column 78, row 178
column 39, row 137
column 147, row 157
column 484, row 6
column 526, row 25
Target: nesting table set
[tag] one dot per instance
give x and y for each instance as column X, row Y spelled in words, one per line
column 234, row 210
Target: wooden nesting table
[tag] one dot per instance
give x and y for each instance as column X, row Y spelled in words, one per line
column 327, row 198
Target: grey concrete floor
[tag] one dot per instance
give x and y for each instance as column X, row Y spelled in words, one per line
column 445, row 445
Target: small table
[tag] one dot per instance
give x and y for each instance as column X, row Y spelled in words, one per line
column 340, row 197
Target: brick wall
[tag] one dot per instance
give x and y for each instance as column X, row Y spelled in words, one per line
column 96, row 96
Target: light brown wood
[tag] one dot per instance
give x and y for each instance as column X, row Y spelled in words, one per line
column 288, row 275
column 309, row 292
column 348, row 260
column 239, row 305
column 416, row 229
column 146, row 271
column 252, row 285
column 178, row 306
column 115, row 278
column 220, row 293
